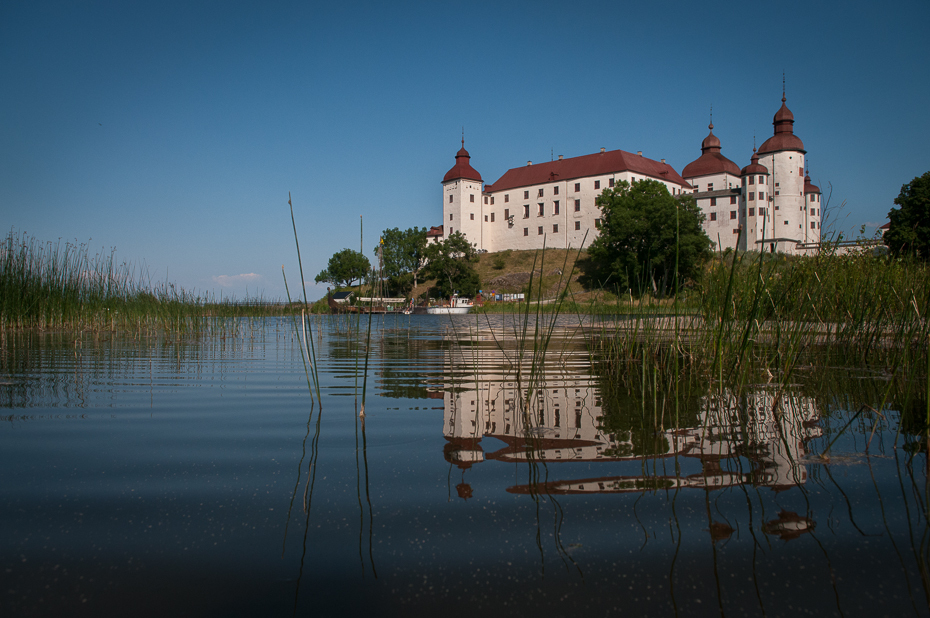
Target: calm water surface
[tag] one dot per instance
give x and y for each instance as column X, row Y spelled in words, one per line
column 153, row 476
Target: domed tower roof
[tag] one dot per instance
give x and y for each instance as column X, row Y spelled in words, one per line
column 754, row 166
column 710, row 161
column 784, row 138
column 810, row 187
column 462, row 167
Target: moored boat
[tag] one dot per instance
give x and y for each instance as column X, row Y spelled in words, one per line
column 455, row 306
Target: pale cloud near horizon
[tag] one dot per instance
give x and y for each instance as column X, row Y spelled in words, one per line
column 233, row 280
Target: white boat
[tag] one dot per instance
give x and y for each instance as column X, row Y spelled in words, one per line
column 456, row 306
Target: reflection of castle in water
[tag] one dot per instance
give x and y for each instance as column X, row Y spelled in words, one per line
column 563, row 419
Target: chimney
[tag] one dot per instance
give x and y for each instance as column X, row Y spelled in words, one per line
column 663, row 160
column 560, row 157
column 639, row 152
column 529, row 163
column 602, row 150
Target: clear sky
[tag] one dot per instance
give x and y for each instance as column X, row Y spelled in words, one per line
column 173, row 131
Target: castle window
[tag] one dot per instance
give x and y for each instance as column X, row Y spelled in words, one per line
column 506, row 213
column 555, row 228
column 800, row 171
column 610, row 182
column 542, row 209
column 526, row 231
column 555, row 190
column 761, row 195
column 492, row 200
column 710, row 186
column 577, row 187
column 752, row 212
column 713, row 201
column 761, row 180
column 777, row 184
column 485, row 218
column 597, row 184
column 450, row 216
column 713, row 216
column 471, row 197
column 732, row 199
column 577, row 225
column 752, row 180
column 450, row 198
column 540, row 193
column 540, row 231
column 577, row 205
column 492, row 217
column 752, row 196
column 506, row 197
column 526, row 195
column 526, row 211
column 555, row 207
column 485, row 199
column 472, row 216
column 732, row 214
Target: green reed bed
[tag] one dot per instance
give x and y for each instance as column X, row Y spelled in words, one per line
column 60, row 285
column 774, row 320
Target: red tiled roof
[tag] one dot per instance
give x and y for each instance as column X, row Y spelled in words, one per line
column 710, row 161
column 754, row 167
column 462, row 167
column 597, row 164
column 808, row 186
column 784, row 138
column 434, row 231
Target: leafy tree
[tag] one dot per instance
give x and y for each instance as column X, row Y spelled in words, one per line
column 637, row 245
column 450, row 263
column 909, row 229
column 345, row 268
column 404, row 255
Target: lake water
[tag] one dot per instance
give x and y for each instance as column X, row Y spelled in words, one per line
column 158, row 475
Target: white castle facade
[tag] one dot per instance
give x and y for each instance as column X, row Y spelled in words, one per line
column 768, row 205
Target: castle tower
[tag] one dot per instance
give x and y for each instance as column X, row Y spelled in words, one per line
column 783, row 155
column 813, row 215
column 756, row 185
column 716, row 185
column 461, row 199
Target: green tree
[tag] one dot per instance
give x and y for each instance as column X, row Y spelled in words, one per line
column 404, row 255
column 345, row 268
column 909, row 229
column 644, row 233
column 450, row 263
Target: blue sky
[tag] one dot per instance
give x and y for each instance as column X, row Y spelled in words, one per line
column 173, row 131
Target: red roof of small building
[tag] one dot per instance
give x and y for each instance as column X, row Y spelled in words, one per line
column 462, row 167
column 784, row 138
column 710, row 161
column 808, row 186
column 754, row 166
column 435, row 230
column 597, row 164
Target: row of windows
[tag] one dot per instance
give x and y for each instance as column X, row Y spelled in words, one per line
column 713, row 200
column 555, row 228
column 541, row 192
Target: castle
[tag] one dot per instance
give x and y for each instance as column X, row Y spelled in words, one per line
column 768, row 205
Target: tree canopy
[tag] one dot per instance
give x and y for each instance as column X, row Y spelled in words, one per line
column 644, row 232
column 345, row 268
column 404, row 256
column 909, row 226
column 450, row 263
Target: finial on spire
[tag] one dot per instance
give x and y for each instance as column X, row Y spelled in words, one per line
column 463, row 136
column 783, row 99
column 711, row 125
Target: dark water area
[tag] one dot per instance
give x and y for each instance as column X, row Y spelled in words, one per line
column 197, row 476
